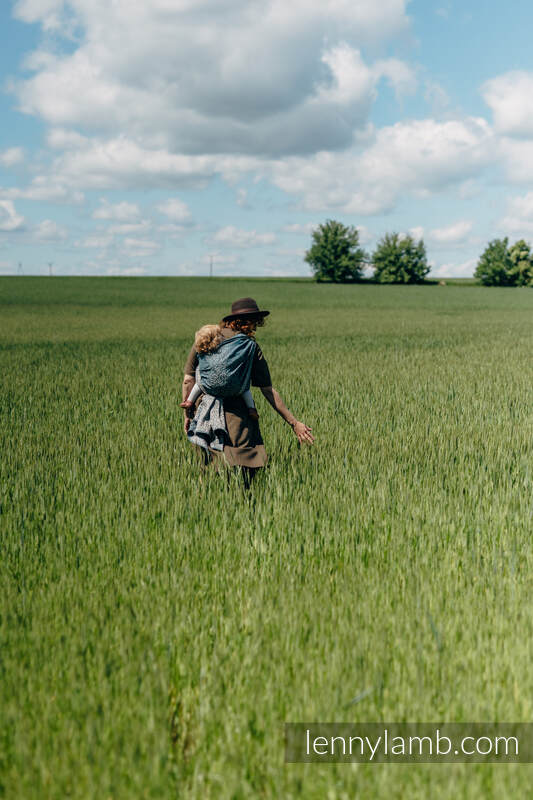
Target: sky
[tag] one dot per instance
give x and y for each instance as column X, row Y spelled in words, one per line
column 166, row 137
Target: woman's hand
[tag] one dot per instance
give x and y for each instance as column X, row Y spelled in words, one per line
column 303, row 433
column 301, row 430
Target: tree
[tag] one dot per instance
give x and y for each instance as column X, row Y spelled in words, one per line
column 399, row 259
column 495, row 265
column 335, row 254
column 521, row 270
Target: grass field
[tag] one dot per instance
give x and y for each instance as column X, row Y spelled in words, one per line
column 158, row 627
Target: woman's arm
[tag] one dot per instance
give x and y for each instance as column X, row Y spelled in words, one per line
column 302, row 431
column 188, row 383
column 186, row 386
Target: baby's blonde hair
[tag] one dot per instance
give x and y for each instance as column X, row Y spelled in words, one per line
column 208, row 338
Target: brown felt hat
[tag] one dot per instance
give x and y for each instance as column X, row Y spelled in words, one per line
column 245, row 307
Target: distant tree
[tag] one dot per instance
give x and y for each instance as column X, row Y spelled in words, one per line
column 495, row 266
column 335, row 254
column 521, row 270
column 399, row 259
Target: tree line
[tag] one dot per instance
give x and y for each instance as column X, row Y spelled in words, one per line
column 336, row 255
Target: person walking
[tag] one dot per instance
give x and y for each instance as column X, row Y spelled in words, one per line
column 242, row 445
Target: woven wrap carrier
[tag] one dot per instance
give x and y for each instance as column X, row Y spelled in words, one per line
column 225, row 372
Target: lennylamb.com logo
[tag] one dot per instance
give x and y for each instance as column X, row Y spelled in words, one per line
column 408, row 742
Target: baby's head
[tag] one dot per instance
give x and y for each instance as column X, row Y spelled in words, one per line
column 207, row 338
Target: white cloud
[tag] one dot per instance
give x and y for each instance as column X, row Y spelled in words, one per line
column 206, row 88
column 464, row 269
column 10, row 220
column 417, row 232
column 147, row 244
column 399, row 74
column 50, row 231
column 517, row 159
column 350, row 80
column 365, row 236
column 121, row 163
column 212, row 76
column 11, row 156
column 140, row 247
column 96, row 241
column 518, row 219
column 121, row 212
column 172, row 93
column 175, row 209
column 62, row 139
column 230, row 236
column 299, row 228
column 123, row 228
column 373, row 20
column 451, row 234
column 510, row 97
column 417, row 157
column 51, row 188
column 47, row 12
column 427, row 154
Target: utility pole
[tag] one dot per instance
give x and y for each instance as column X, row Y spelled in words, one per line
column 211, row 266
column 50, row 265
column 20, row 271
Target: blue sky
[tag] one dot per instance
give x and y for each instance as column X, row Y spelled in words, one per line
column 147, row 138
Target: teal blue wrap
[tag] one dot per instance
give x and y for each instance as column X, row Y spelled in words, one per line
column 225, row 372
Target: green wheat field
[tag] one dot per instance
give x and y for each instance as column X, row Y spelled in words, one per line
column 159, row 625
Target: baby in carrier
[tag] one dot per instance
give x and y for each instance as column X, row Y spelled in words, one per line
column 224, row 367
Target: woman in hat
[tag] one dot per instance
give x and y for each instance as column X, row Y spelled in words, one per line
column 243, row 446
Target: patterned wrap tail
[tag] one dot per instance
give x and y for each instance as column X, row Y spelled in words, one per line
column 223, row 373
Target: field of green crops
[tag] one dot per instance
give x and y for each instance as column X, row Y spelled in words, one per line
column 158, row 625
